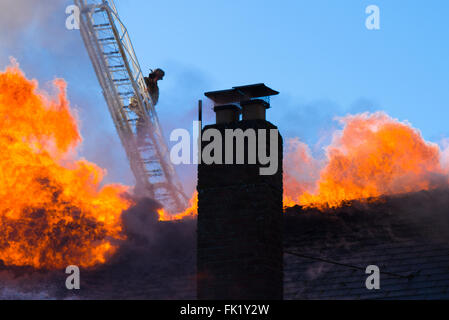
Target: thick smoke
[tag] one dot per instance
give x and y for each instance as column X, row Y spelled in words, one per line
column 157, row 261
column 34, row 27
column 17, row 15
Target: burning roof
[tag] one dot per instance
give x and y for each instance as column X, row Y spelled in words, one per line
column 406, row 236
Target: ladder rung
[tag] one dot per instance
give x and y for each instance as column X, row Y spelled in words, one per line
column 160, row 185
column 100, row 25
column 106, row 39
column 121, row 80
column 117, row 66
column 109, row 43
column 117, row 70
column 110, row 53
column 150, row 161
column 123, row 84
column 164, row 196
column 103, row 29
column 155, row 174
column 114, row 57
column 126, row 93
column 146, row 148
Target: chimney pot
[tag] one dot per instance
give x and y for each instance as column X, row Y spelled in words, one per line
column 254, row 109
column 227, row 113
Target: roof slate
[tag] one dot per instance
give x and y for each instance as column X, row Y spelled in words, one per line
column 406, row 242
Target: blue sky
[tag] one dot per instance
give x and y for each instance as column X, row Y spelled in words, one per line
column 308, row 50
column 318, row 54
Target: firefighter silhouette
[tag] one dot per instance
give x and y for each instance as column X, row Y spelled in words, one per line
column 151, row 83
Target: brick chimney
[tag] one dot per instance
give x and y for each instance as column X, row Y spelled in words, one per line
column 240, row 210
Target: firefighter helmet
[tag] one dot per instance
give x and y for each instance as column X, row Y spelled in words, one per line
column 159, row 73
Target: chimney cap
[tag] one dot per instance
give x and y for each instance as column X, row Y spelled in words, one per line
column 230, row 106
column 260, row 102
column 241, row 93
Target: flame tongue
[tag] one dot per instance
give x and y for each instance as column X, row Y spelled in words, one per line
column 189, row 213
column 374, row 155
column 53, row 212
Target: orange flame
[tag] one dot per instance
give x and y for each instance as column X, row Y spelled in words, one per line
column 53, row 212
column 373, row 155
column 301, row 171
column 190, row 213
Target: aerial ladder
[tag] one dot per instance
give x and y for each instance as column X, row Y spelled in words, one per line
column 130, row 105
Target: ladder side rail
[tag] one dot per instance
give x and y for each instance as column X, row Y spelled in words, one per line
column 135, row 157
column 94, row 52
column 169, row 175
column 128, row 46
column 109, row 91
column 121, row 47
column 140, row 102
column 159, row 144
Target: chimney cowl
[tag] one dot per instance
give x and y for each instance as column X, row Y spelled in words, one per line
column 227, row 113
column 254, row 109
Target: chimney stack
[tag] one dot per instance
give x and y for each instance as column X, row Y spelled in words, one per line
column 240, row 255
